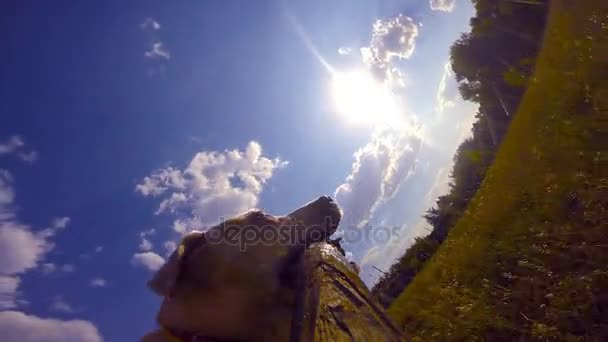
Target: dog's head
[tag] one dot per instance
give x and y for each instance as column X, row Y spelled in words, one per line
column 234, row 281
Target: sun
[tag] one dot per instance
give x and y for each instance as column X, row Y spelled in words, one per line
column 361, row 99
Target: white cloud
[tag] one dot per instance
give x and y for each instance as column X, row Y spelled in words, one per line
column 180, row 226
column 213, row 185
column 49, row 267
column 344, row 51
column 442, row 144
column 20, row 249
column 148, row 232
column 447, row 92
column 87, row 255
column 57, row 224
column 379, row 169
column 158, row 52
column 348, row 256
column 393, row 38
column 28, row 157
column 158, row 183
column 13, row 144
column 170, row 246
column 58, row 304
column 7, row 194
column 16, row 145
column 394, row 77
column 17, row 326
column 98, row 282
column 442, row 5
column 8, row 292
column 145, row 245
column 384, row 255
column 68, row 268
column 149, row 260
column 60, row 222
column 372, row 256
column 150, row 24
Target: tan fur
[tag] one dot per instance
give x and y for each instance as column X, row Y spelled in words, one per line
column 219, row 290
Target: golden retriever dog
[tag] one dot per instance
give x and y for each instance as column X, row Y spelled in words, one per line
column 236, row 281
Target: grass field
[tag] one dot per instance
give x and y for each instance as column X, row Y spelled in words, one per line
column 529, row 258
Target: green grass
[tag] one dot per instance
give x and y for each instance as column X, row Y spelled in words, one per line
column 529, row 258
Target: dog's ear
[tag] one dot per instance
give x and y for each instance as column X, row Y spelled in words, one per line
column 165, row 278
column 159, row 335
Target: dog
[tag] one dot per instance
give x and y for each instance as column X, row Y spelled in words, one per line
column 236, row 281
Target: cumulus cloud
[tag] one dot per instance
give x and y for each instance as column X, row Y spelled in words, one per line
column 213, row 185
column 87, row 255
column 148, row 232
column 150, row 24
column 8, row 292
column 170, row 246
column 7, row 194
column 13, row 144
column 60, row 222
column 149, row 260
column 442, row 5
column 98, row 282
column 447, row 92
column 145, row 245
column 443, row 147
column 156, row 49
column 158, row 52
column 22, row 249
column 16, row 145
column 17, row 326
column 344, row 51
column 28, row 157
column 49, row 267
column 68, row 268
column 379, row 169
column 393, row 38
column 180, row 226
column 58, row 304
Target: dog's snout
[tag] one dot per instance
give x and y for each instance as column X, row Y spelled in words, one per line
column 318, row 212
column 326, row 199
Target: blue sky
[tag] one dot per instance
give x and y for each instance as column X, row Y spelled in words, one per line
column 124, row 124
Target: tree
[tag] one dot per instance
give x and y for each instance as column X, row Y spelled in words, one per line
column 493, row 64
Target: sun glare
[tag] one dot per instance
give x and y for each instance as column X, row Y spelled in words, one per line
column 363, row 100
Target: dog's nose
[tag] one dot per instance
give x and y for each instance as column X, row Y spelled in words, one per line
column 321, row 215
column 326, row 198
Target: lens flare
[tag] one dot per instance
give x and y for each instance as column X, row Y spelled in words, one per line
column 363, row 100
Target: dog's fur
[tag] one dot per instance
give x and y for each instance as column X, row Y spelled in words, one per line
column 219, row 290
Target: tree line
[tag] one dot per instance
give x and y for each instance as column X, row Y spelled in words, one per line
column 493, row 65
